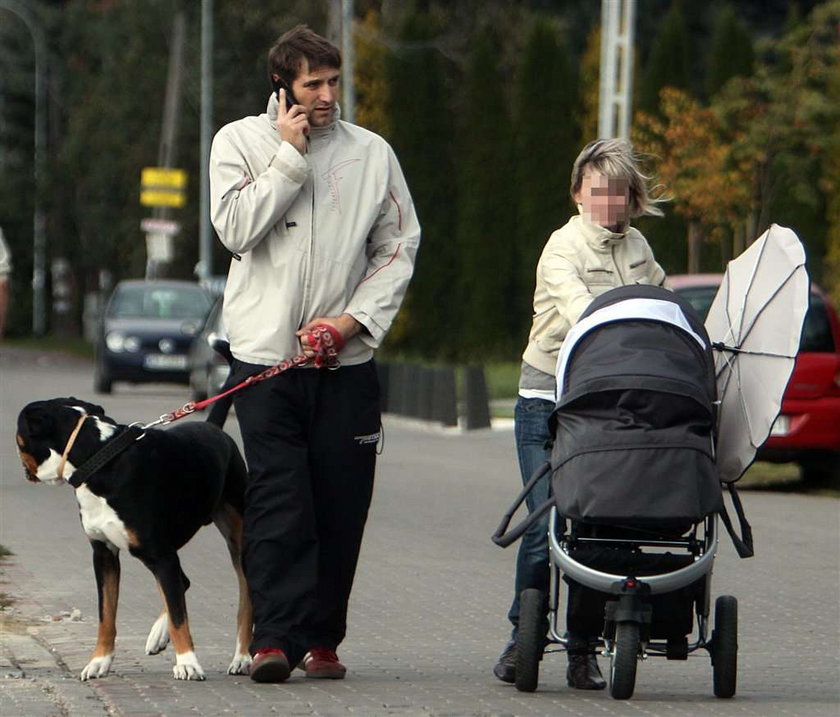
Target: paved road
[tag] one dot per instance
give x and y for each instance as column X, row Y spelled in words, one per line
column 426, row 617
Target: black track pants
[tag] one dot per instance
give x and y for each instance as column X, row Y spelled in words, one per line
column 310, row 440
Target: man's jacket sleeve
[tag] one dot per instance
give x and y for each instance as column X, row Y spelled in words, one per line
column 243, row 208
column 391, row 250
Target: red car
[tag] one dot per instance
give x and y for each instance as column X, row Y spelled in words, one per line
column 807, row 430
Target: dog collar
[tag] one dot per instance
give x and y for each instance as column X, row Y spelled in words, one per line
column 107, row 453
column 70, row 442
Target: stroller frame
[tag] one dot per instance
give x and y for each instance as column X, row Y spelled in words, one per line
column 625, row 638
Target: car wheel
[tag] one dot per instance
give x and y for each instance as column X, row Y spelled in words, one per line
column 102, row 381
column 198, row 386
column 819, row 470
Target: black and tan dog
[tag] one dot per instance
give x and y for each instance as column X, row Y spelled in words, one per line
column 150, row 500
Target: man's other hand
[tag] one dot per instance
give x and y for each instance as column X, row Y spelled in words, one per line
column 345, row 324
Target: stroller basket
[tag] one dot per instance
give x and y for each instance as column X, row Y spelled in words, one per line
column 612, row 583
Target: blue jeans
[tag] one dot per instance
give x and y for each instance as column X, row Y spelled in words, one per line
column 531, row 432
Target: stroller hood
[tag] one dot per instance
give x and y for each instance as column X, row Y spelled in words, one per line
column 634, row 420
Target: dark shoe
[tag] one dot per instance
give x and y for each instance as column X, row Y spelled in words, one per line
column 583, row 673
column 270, row 665
column 505, row 668
column 322, row 663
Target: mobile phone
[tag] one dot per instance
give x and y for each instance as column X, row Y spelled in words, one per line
column 279, row 84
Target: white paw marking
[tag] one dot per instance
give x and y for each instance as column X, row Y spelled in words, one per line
column 97, row 667
column 158, row 637
column 187, row 667
column 241, row 664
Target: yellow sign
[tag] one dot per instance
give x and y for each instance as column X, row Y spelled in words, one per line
column 163, row 187
column 162, row 198
column 163, row 177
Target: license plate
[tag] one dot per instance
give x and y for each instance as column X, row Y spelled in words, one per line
column 781, row 426
column 164, row 362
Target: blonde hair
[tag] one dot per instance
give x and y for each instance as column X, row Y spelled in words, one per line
column 615, row 158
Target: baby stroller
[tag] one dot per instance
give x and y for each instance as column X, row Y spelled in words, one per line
column 635, row 494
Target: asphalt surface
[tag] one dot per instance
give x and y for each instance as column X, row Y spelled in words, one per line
column 427, row 613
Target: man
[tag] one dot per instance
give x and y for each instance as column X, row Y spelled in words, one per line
column 322, row 229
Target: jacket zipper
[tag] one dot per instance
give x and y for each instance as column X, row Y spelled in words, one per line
column 615, row 264
column 310, row 257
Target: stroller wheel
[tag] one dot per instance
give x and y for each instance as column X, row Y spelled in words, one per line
column 725, row 646
column 625, row 655
column 530, row 638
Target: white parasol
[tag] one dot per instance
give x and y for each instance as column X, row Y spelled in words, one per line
column 755, row 323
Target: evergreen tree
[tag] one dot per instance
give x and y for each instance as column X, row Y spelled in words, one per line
column 547, row 108
column 731, row 53
column 668, row 64
column 487, row 209
column 422, row 136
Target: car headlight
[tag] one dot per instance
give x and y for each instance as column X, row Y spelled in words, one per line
column 115, row 342
column 131, row 343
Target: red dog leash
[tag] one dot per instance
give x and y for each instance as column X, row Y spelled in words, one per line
column 325, row 341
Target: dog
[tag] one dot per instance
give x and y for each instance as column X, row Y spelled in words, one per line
column 149, row 500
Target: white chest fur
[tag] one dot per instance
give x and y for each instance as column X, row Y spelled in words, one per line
column 99, row 520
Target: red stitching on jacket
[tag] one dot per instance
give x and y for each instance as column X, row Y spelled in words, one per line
column 387, row 263
column 399, row 210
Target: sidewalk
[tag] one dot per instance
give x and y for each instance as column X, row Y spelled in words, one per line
column 427, row 615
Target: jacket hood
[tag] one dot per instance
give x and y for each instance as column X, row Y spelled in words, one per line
column 597, row 237
column 274, row 106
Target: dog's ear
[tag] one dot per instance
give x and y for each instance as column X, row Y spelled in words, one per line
column 90, row 408
column 36, row 421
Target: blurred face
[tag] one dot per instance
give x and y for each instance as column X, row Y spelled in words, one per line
column 603, row 200
column 317, row 92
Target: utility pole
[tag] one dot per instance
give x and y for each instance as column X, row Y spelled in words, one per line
column 205, row 239
column 348, row 55
column 615, row 96
column 340, row 32
column 39, row 239
column 159, row 245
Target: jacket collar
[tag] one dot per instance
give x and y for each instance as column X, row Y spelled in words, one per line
column 273, row 106
column 597, row 237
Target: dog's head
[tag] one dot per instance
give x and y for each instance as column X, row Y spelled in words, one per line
column 45, row 429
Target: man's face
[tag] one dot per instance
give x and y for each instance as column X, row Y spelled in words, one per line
column 317, row 92
column 604, row 200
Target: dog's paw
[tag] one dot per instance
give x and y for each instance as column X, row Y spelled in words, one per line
column 241, row 665
column 187, row 667
column 97, row 667
column 158, row 637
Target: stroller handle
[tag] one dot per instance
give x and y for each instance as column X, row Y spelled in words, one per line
column 608, row 582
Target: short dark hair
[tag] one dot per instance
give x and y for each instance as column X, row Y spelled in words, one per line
column 300, row 43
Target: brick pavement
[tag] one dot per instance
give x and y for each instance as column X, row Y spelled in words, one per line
column 427, row 613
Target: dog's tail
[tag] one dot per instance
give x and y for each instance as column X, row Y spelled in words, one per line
column 219, row 411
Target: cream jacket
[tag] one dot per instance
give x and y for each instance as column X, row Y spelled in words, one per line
column 333, row 231
column 580, row 261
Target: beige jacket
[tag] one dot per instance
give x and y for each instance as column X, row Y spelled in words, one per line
column 319, row 235
column 580, row 261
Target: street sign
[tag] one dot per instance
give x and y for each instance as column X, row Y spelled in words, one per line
column 152, row 225
column 163, row 187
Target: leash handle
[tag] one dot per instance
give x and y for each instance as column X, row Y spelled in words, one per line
column 326, row 341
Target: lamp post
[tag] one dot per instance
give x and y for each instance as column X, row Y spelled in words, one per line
column 39, row 242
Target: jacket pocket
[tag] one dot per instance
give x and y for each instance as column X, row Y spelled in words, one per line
column 598, row 276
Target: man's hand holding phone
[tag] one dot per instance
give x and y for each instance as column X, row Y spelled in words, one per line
column 292, row 122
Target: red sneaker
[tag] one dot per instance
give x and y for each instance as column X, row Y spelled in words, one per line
column 322, row 663
column 270, row 665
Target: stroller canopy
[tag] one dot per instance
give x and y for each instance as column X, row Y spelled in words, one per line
column 634, row 420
